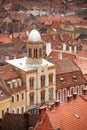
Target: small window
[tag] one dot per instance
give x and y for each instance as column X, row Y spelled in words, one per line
column 18, row 110
column 22, row 96
column 31, row 83
column 17, row 97
column 50, row 78
column 3, row 113
column 12, row 99
column 22, row 109
column 43, row 96
column 7, row 110
column 50, row 93
column 31, row 98
column 42, row 80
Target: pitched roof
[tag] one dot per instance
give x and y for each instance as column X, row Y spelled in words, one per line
column 7, row 72
column 5, row 39
column 65, row 65
column 68, row 116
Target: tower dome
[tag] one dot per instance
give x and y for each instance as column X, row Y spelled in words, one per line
column 34, row 36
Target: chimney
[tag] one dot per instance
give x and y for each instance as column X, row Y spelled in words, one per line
column 75, row 95
column 48, row 48
column 51, row 106
column 42, row 111
column 64, row 47
column 75, row 49
column 85, row 91
column 57, row 103
column 70, row 48
column 69, row 98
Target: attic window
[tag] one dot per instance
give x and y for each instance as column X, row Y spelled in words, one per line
column 1, row 94
column 62, row 80
column 77, row 116
column 74, row 78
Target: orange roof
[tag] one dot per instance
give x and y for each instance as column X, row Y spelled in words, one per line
column 7, row 72
column 54, row 54
column 5, row 39
column 82, row 64
column 68, row 116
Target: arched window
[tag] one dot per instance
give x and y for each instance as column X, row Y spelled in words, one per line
column 42, row 96
column 32, row 98
column 64, row 94
column 42, row 80
column 77, row 89
column 71, row 91
column 50, row 93
column 31, row 82
column 50, row 78
column 59, row 95
column 35, row 53
column 17, row 97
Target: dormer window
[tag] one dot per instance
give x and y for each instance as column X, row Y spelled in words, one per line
column 74, row 78
column 62, row 80
column 1, row 94
column 19, row 82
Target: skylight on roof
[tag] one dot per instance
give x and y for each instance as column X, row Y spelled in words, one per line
column 76, row 115
column 62, row 80
column 74, row 78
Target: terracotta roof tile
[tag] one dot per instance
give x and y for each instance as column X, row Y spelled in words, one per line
column 5, row 39
column 68, row 116
column 7, row 72
column 3, row 94
column 65, row 65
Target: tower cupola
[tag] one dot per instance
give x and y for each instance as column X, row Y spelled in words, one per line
column 34, row 47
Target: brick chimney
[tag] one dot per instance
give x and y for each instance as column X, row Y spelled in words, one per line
column 51, row 106
column 42, row 111
column 75, row 95
column 85, row 91
column 57, row 103
column 69, row 98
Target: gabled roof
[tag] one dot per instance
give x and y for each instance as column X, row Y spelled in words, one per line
column 68, row 116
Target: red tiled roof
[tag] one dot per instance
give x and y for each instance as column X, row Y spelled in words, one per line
column 65, row 65
column 7, row 72
column 54, row 54
column 82, row 64
column 3, row 94
column 5, row 39
column 68, row 116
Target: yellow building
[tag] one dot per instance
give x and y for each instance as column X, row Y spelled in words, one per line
column 37, row 73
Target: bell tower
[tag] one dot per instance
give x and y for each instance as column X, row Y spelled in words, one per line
column 34, row 48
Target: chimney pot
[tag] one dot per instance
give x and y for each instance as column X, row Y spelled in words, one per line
column 85, row 91
column 75, row 95
column 57, row 103
column 42, row 110
column 51, row 106
column 69, row 98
